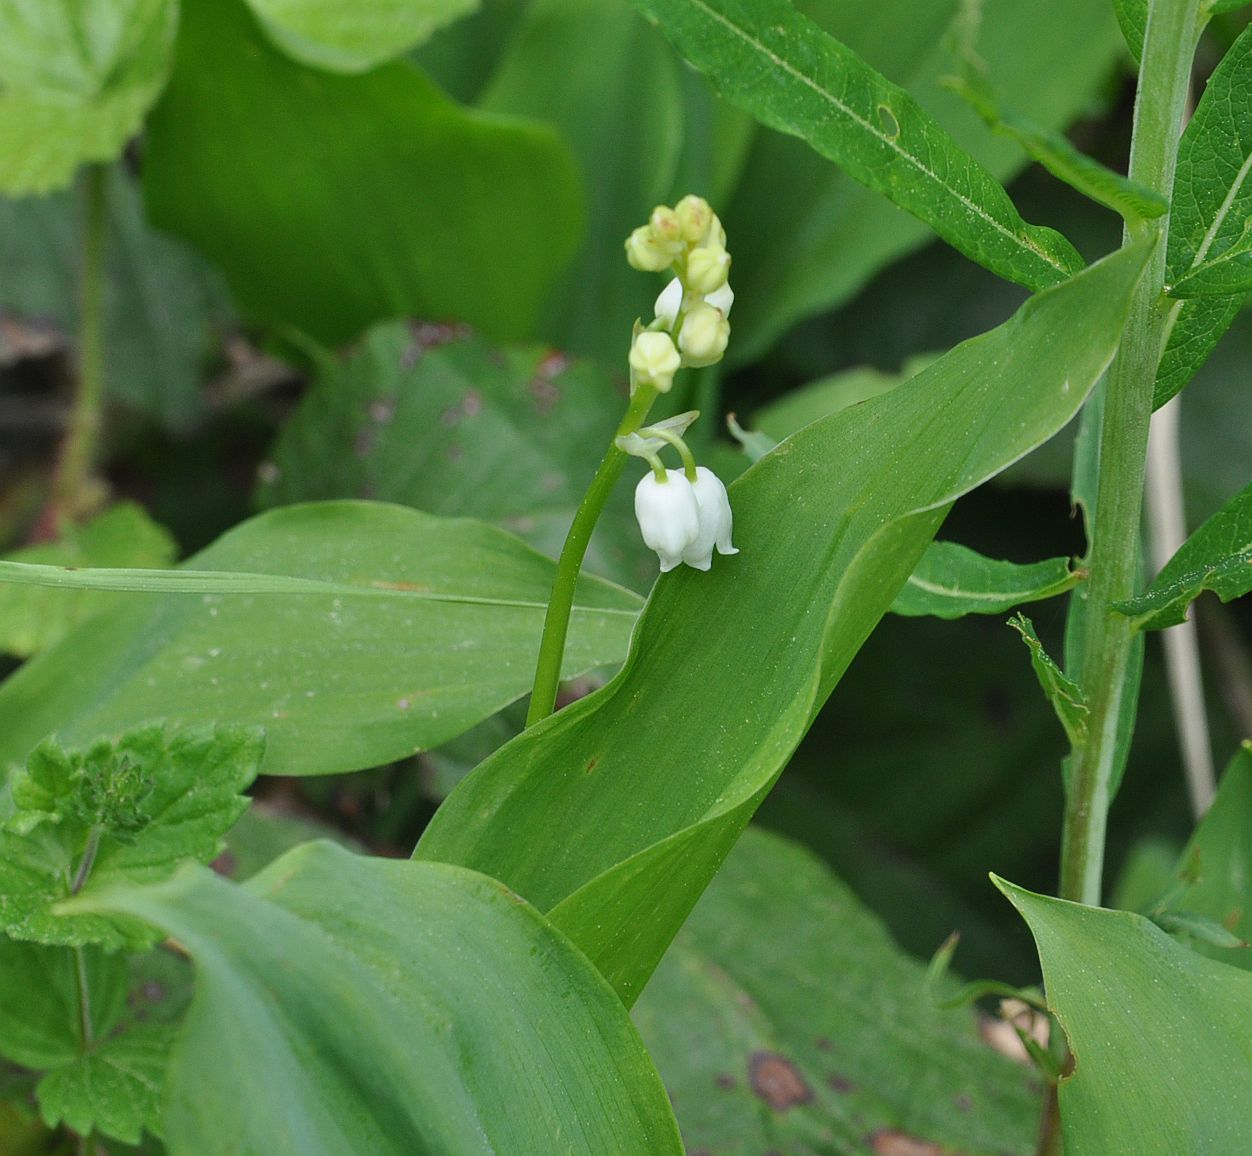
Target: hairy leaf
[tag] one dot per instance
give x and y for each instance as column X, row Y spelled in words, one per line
column 952, row 580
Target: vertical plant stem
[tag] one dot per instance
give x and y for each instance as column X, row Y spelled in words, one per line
column 86, row 1032
column 1105, row 666
column 556, row 621
column 71, row 486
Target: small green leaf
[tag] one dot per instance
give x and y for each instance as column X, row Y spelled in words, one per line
column 339, row 1001
column 127, row 809
column 1063, row 693
column 1132, row 15
column 358, row 36
column 765, row 1050
column 1161, row 1037
column 115, row 1088
column 1217, row 557
column 75, row 85
column 33, row 618
column 952, row 580
column 1223, row 276
column 438, row 627
column 769, row 59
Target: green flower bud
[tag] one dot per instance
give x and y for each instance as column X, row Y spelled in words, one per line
column 644, row 253
column 694, row 218
column 707, row 269
column 704, row 336
column 665, row 226
column 654, row 359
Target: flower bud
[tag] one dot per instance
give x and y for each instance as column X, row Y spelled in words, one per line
column 669, row 303
column 715, row 520
column 654, row 359
column 669, row 515
column 704, row 336
column 707, row 269
column 665, row 226
column 694, row 218
column 644, row 253
column 721, row 299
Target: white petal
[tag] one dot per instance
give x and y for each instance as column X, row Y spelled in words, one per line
column 722, row 299
column 668, row 515
column 715, row 521
column 669, row 303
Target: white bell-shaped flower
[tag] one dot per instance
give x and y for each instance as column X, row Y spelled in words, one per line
column 669, row 303
column 669, row 515
column 715, row 521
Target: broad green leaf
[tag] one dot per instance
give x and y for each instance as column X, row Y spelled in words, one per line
column 1229, row 274
column 1217, row 557
column 40, row 1020
column 165, row 307
column 331, row 202
column 1132, row 15
column 761, row 1051
column 33, row 618
column 952, row 580
column 115, row 1088
column 1211, row 208
column 665, row 765
column 793, row 77
column 620, row 107
column 806, row 237
column 75, row 83
column 1063, row 693
column 444, row 633
column 354, row 37
column 132, row 809
column 463, row 428
column 350, row 1006
column 1161, row 1036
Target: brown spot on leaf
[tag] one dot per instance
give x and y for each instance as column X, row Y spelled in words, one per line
column 777, row 1081
column 592, row 763
column 890, row 1142
column 823, row 1044
column 963, row 1103
column 840, row 1083
column 725, row 1080
column 225, row 864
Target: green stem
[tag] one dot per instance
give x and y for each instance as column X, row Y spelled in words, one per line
column 1105, row 667
column 684, row 452
column 85, row 1031
column 556, row 621
column 72, row 490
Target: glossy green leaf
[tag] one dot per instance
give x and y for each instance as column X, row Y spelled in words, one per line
column 33, row 618
column 761, row 1051
column 115, row 1089
column 793, row 77
column 349, row 1006
column 724, row 675
column 620, row 107
column 1212, row 205
column 1161, row 1036
column 332, row 202
column 463, row 428
column 354, row 37
column 75, row 83
column 806, row 237
column 1063, row 693
column 1217, row 557
column 338, row 682
column 952, row 580
column 130, row 809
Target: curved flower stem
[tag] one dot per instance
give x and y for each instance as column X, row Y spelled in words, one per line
column 688, row 459
column 1105, row 666
column 556, row 621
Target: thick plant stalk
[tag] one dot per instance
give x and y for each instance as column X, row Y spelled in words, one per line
column 1105, row 670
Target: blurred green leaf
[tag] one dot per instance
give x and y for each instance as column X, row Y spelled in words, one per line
column 339, row 998
column 1063, row 693
column 1161, row 1037
column 724, row 675
column 338, row 682
column 354, row 37
column 1212, row 206
column 826, row 1046
column 1217, row 557
column 32, row 618
column 793, row 77
column 952, row 580
column 126, row 810
column 75, row 83
column 463, row 428
column 332, row 202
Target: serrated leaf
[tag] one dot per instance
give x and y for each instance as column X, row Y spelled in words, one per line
column 1211, row 208
column 725, row 672
column 354, row 37
column 33, row 618
column 1161, row 1037
column 338, row 999
column 130, row 809
column 1063, row 693
column 332, row 202
column 75, row 85
column 1217, row 557
column 952, row 580
column 115, row 1088
column 444, row 632
column 772, row 61
column 761, row 1051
